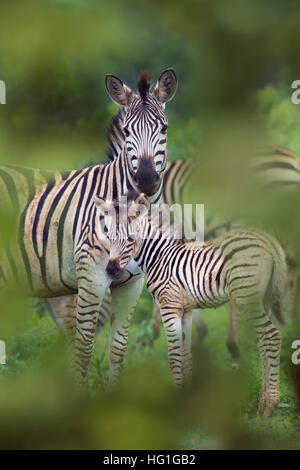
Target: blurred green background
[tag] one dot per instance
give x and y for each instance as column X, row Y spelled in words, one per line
column 235, row 63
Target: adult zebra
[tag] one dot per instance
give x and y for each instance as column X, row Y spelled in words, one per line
column 243, row 266
column 58, row 246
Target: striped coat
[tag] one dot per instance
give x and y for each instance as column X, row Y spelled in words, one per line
column 276, row 166
column 244, row 267
column 57, row 244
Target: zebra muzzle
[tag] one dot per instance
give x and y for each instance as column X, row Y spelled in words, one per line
column 114, row 269
column 147, row 179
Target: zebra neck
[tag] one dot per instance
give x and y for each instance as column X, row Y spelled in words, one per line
column 116, row 137
column 153, row 245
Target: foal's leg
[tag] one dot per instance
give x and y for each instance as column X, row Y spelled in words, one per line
column 292, row 284
column 269, row 341
column 291, row 296
column 186, row 347
column 171, row 308
column 200, row 323
column 124, row 300
column 233, row 331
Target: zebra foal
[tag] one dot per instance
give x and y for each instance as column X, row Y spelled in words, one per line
column 244, row 267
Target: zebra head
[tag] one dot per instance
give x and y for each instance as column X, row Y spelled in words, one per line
column 117, row 219
column 145, row 127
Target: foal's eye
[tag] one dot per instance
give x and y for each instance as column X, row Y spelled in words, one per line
column 164, row 129
column 126, row 132
column 131, row 238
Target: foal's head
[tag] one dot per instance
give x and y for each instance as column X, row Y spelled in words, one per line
column 123, row 221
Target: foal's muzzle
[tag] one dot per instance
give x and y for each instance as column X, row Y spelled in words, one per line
column 114, row 269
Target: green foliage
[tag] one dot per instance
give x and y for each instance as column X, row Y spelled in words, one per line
column 282, row 118
column 235, row 62
column 221, row 406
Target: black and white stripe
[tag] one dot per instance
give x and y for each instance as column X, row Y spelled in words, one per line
column 245, row 267
column 57, row 245
column 276, row 166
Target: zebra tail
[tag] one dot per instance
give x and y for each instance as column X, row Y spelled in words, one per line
column 277, row 312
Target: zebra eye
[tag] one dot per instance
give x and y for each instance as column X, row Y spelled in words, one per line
column 131, row 238
column 126, row 132
column 164, row 129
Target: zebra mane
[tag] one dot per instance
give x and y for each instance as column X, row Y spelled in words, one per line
column 115, row 135
column 144, row 85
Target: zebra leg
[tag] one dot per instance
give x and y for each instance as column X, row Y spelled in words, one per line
column 187, row 320
column 233, row 331
column 172, row 321
column 269, row 341
column 269, row 344
column 292, row 293
column 156, row 320
column 62, row 311
column 291, row 284
column 199, row 323
column 89, row 301
column 123, row 302
column 105, row 311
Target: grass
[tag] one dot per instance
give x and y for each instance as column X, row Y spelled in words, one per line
column 40, row 336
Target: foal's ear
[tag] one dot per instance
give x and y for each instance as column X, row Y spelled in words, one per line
column 119, row 93
column 139, row 207
column 103, row 206
column 166, row 86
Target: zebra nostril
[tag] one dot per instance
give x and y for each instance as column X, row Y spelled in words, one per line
column 147, row 179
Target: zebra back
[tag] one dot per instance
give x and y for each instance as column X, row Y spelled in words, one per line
column 277, row 166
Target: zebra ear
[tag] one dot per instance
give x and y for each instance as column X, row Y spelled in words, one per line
column 118, row 92
column 166, row 86
column 103, row 206
column 140, row 206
